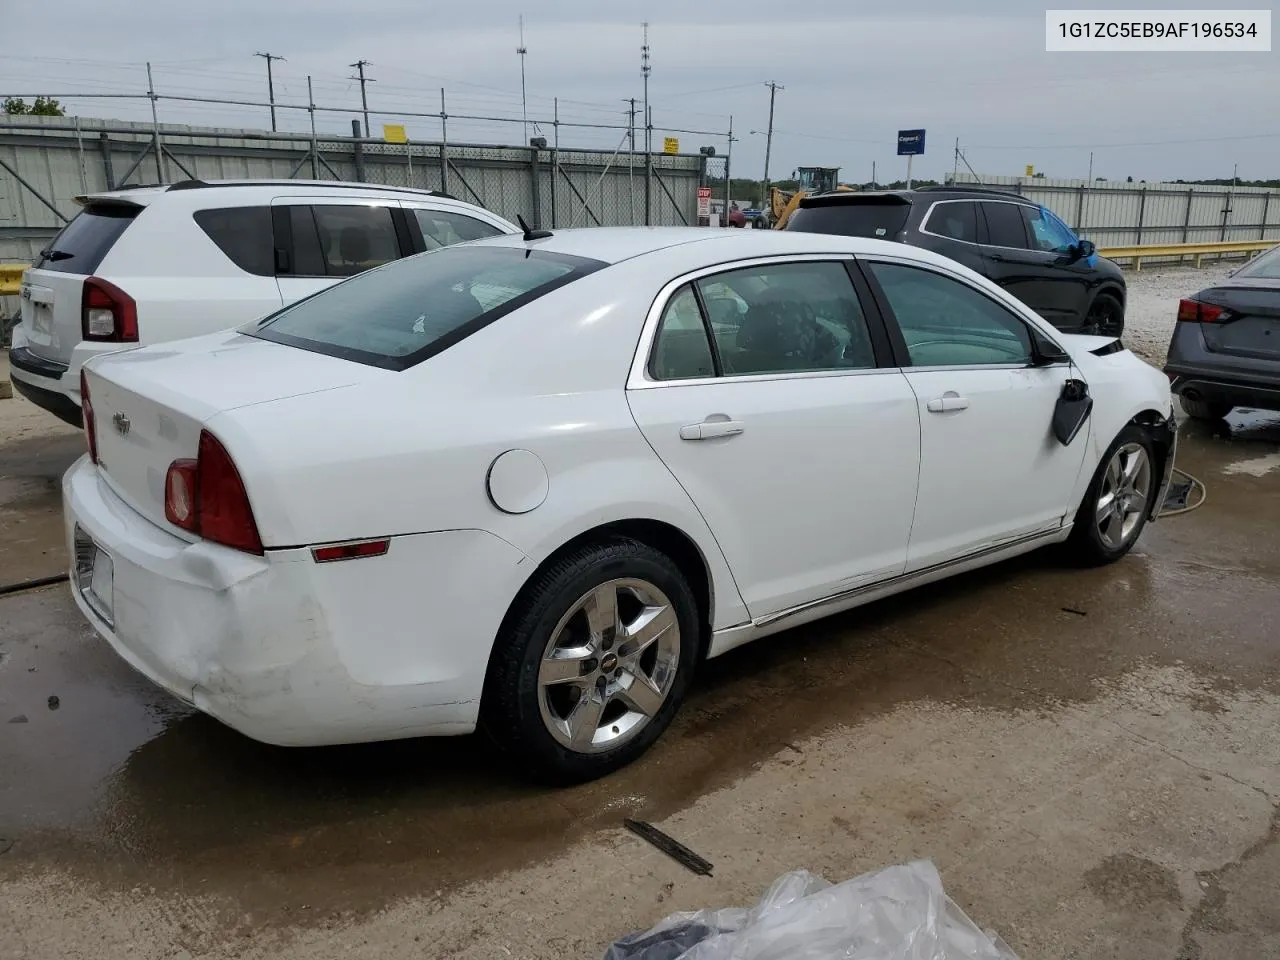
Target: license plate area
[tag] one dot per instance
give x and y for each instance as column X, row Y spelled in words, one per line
column 95, row 575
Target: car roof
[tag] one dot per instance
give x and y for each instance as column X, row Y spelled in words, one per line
column 145, row 195
column 708, row 245
column 924, row 194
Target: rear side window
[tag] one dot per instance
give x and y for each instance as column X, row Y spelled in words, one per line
column 956, row 219
column 353, row 239
column 443, row 228
column 409, row 310
column 681, row 349
column 243, row 234
column 882, row 220
column 83, row 242
column 1004, row 225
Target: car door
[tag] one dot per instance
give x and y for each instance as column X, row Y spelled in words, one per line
column 772, row 397
column 1032, row 275
column 991, row 470
column 319, row 241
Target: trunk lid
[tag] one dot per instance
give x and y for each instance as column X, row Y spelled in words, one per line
column 1251, row 329
column 151, row 403
column 53, row 287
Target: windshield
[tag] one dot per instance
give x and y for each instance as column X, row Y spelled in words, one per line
column 1265, row 267
column 406, row 311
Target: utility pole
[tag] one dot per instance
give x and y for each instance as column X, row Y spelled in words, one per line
column 955, row 169
column 648, row 129
column 524, row 100
column 768, row 142
column 631, row 160
column 271, row 90
column 873, row 174
column 359, row 66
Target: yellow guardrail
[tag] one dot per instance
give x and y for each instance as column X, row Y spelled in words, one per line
column 1180, row 250
column 11, row 278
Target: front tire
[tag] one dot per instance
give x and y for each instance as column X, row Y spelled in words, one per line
column 1205, row 409
column 1106, row 316
column 1118, row 501
column 592, row 662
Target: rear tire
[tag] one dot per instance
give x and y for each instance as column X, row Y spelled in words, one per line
column 1205, row 409
column 592, row 662
column 1118, row 501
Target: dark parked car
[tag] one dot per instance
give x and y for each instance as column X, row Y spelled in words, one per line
column 1225, row 350
column 1018, row 244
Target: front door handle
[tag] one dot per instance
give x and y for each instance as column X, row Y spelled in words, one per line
column 710, row 429
column 947, row 402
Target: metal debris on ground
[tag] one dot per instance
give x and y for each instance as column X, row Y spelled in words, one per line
column 898, row 913
column 54, row 702
column 671, row 847
column 20, row 718
column 1078, row 613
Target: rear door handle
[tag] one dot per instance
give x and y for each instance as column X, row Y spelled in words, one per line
column 710, row 429
column 948, row 402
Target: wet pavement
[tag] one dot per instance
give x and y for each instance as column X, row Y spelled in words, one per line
column 120, row 790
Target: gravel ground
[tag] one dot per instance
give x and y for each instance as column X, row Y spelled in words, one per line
column 1153, row 304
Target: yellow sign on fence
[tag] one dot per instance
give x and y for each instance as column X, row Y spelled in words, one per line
column 394, row 133
column 1031, row 170
column 670, row 144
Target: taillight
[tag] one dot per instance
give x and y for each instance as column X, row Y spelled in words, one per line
column 107, row 313
column 207, row 497
column 86, row 414
column 1194, row 311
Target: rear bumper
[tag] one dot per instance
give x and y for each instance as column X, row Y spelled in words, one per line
column 41, row 382
column 291, row 652
column 1235, row 393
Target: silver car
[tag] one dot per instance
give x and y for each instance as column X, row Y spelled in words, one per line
column 1225, row 351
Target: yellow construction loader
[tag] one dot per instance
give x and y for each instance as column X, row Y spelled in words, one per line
column 810, row 180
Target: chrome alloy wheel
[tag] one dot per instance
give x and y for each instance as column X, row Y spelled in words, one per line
column 1123, row 496
column 609, row 665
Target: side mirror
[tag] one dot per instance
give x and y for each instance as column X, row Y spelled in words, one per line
column 1085, row 249
column 1046, row 353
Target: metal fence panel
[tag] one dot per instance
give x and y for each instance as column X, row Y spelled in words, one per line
column 48, row 161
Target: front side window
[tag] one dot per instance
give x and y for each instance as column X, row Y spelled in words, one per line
column 409, row 310
column 1047, row 232
column 444, row 228
column 1265, row 267
column 948, row 323
column 1004, row 225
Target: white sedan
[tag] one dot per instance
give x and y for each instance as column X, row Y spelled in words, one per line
column 529, row 483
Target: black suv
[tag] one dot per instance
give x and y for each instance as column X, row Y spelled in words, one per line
column 1018, row 244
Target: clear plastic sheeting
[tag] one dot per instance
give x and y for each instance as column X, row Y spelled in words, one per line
column 898, row 913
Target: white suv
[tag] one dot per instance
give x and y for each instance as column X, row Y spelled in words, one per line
column 162, row 263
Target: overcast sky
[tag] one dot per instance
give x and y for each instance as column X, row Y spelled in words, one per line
column 854, row 72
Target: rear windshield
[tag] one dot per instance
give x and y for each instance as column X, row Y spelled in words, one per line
column 879, row 219
column 83, row 242
column 406, row 311
column 1265, row 267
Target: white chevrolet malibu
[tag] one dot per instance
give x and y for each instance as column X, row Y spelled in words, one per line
column 530, row 483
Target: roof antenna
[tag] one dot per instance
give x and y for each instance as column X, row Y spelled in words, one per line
column 529, row 232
